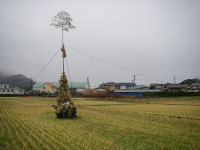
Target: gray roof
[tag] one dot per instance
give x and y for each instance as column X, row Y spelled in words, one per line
column 140, row 87
column 109, row 83
column 171, row 86
column 120, row 83
column 195, row 85
column 136, row 91
column 126, row 84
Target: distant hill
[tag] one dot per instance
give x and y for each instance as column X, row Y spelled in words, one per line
column 19, row 80
column 190, row 81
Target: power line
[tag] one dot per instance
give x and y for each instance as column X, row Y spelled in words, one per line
column 56, row 72
column 37, row 119
column 88, row 83
column 174, row 79
column 46, row 65
column 110, row 63
column 134, row 78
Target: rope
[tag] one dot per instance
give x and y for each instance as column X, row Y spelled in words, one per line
column 112, row 64
column 69, row 73
column 37, row 119
column 46, row 65
column 56, row 72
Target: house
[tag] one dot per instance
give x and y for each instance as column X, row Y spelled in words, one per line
column 134, row 92
column 177, row 88
column 4, row 86
column 5, row 89
column 141, row 87
column 52, row 87
column 126, row 85
column 37, row 86
column 77, row 86
column 109, row 86
column 49, row 88
column 158, row 86
column 195, row 87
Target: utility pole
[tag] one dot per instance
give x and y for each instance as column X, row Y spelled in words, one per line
column 174, row 79
column 134, row 79
column 31, row 84
column 88, row 83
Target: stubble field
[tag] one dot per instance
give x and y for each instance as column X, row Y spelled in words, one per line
column 152, row 123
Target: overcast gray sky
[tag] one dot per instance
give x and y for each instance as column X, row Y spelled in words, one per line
column 157, row 38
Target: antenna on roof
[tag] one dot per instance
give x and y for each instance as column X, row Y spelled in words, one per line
column 88, row 83
column 133, row 79
column 174, row 79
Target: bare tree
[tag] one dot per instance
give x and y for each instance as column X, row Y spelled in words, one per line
column 62, row 20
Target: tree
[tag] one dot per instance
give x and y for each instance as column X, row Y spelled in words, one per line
column 152, row 86
column 189, row 81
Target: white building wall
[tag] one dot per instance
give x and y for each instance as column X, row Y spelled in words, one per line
column 19, row 91
column 4, row 89
column 122, row 87
column 48, row 89
column 36, row 89
column 4, row 86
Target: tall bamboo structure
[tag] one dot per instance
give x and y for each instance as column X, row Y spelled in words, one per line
column 65, row 107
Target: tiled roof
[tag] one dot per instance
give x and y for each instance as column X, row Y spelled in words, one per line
column 56, row 84
column 51, row 84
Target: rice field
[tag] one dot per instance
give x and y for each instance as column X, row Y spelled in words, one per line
column 119, row 124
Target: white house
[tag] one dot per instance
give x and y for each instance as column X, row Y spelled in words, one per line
column 126, row 86
column 6, row 90
column 48, row 88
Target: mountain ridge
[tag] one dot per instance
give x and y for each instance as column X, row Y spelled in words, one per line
column 17, row 80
